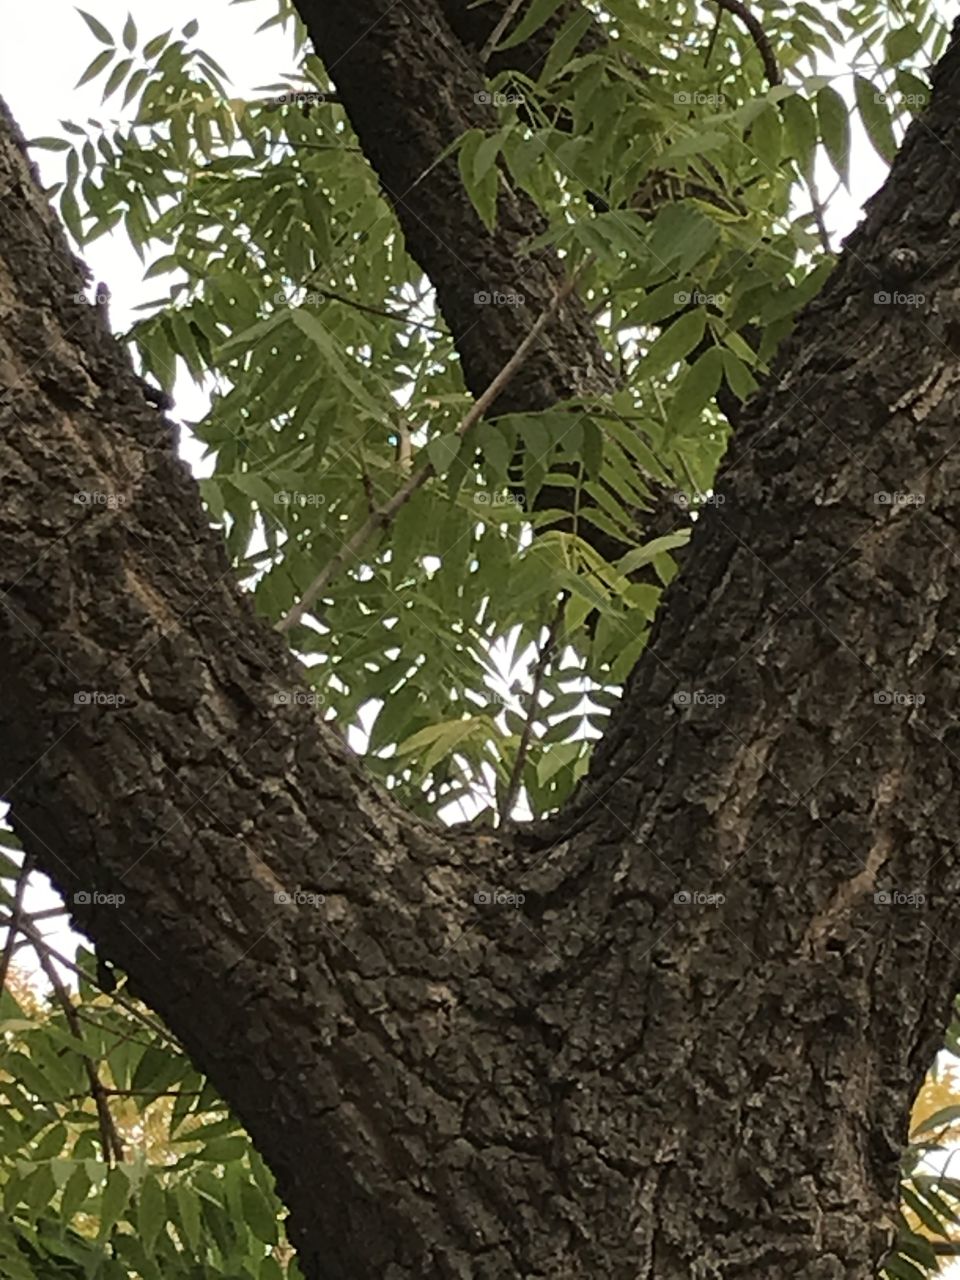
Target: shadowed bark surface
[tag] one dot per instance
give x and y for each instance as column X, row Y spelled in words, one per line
column 616, row 1077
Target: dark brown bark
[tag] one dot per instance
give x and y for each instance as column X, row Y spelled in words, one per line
column 411, row 90
column 600, row 1081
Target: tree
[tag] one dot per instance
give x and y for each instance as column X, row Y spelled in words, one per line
column 670, row 1029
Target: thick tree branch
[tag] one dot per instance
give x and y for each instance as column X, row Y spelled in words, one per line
column 470, row 1056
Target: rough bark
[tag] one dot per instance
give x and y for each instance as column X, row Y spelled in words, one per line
column 412, row 90
column 600, row 1081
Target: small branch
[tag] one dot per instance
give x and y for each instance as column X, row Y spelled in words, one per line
column 14, row 918
column 367, row 483
column 36, row 937
column 819, row 213
column 713, row 37
column 404, row 447
column 109, row 1138
column 494, row 38
column 381, row 519
column 370, row 311
column 539, row 671
column 760, row 38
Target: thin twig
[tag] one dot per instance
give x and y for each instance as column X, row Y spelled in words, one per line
column 368, row 310
column 819, row 213
column 760, row 37
column 539, row 672
column 713, row 37
column 381, row 519
column 494, row 37
column 14, row 918
column 109, row 1138
column 157, row 1028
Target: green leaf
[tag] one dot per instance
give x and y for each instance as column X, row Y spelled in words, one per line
column 96, row 66
column 765, row 137
column 98, row 29
column 674, row 344
column 75, row 1192
column 116, row 1193
column 696, row 387
column 50, row 144
column 259, row 1214
column 835, row 131
column 945, row 1115
column 188, row 1214
column 154, row 46
column 903, row 43
column 537, row 13
column 872, row 105
column 151, row 1212
column 116, row 78
column 442, row 452
column 130, row 33
column 482, row 191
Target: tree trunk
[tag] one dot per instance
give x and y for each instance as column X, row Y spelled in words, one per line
column 614, row 1077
